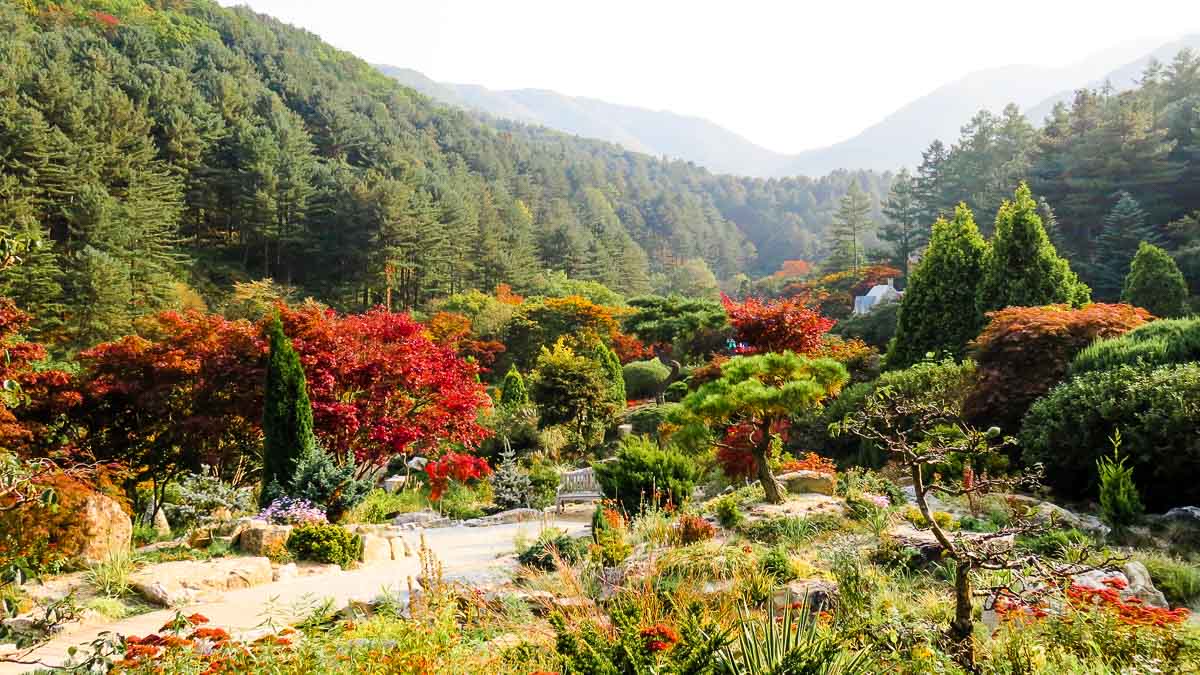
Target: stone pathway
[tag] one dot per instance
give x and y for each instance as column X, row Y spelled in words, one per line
column 473, row 554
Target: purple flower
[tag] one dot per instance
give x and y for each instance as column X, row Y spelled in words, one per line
column 880, row 501
column 289, row 511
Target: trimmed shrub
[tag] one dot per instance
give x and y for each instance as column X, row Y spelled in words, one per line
column 1157, row 343
column 649, row 418
column 540, row 555
column 1155, row 282
column 876, row 328
column 676, row 391
column 324, row 543
column 1025, row 351
column 643, row 473
column 1158, row 413
column 643, row 378
column 513, row 392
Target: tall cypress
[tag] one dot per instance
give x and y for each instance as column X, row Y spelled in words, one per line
column 287, row 414
column 613, row 372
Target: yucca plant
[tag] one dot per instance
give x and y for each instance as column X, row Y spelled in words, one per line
column 791, row 644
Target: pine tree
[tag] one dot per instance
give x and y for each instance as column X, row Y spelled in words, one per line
column 850, row 225
column 931, row 183
column 903, row 229
column 1155, row 283
column 1124, row 230
column 938, row 313
column 513, row 392
column 287, row 414
column 1021, row 267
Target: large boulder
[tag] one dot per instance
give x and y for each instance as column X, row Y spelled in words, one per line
column 818, row 595
column 258, row 537
column 1045, row 512
column 420, row 519
column 185, row 581
column 108, row 529
column 809, row 482
column 1135, row 579
column 375, row 549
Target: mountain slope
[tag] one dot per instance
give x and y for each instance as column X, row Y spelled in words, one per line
column 659, row 133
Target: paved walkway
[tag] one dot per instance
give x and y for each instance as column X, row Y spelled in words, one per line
column 465, row 553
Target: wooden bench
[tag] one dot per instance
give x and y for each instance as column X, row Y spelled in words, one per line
column 577, row 486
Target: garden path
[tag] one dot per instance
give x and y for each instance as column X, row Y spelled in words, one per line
column 476, row 554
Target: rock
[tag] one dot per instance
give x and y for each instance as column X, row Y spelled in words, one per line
column 1046, row 512
column 285, row 572
column 162, row 527
column 375, row 549
column 108, row 529
column 574, row 605
column 624, row 430
column 505, row 517
column 260, row 537
column 181, row 582
column 201, row 537
column 7, row 649
column 818, row 593
column 399, row 547
column 1141, row 586
column 423, row 518
column 800, row 482
column 1187, row 514
column 394, row 483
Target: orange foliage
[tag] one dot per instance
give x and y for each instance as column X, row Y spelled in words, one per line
column 809, row 462
column 504, row 293
column 1024, row 351
column 792, row 269
column 628, row 348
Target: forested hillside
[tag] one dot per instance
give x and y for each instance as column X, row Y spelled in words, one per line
column 170, row 147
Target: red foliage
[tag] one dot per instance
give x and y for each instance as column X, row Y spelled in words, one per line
column 457, row 466
column 659, row 637
column 735, row 453
column 36, row 395
column 691, row 528
column 776, row 325
column 1129, row 611
column 628, row 348
column 106, row 20
column 791, row 269
column 809, row 462
column 454, row 331
column 380, row 386
column 1024, row 351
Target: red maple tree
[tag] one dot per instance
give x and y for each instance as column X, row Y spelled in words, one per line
column 776, row 325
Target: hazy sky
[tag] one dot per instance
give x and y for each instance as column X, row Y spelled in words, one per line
column 789, row 74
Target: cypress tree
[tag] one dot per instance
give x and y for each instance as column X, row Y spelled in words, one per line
column 287, row 414
column 512, row 391
column 612, row 372
column 1021, row 267
column 1155, row 283
column 1124, row 230
column 938, row 313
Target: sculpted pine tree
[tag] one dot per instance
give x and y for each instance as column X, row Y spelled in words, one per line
column 938, row 311
column 1155, row 284
column 287, row 413
column 1021, row 267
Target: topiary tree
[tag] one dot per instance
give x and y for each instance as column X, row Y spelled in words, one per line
column 643, row 379
column 1021, row 267
column 1155, row 283
column 287, row 421
column 763, row 391
column 1157, row 343
column 938, row 313
column 512, row 391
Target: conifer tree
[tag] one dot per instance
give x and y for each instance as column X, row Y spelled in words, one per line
column 1155, row 284
column 287, row 414
column 849, row 228
column 938, row 313
column 1124, row 230
column 612, row 372
column 903, row 230
column 513, row 392
column 1021, row 267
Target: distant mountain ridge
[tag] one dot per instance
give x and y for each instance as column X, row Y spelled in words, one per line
column 896, row 140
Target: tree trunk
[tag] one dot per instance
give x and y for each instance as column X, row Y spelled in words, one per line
column 961, row 627
column 771, row 487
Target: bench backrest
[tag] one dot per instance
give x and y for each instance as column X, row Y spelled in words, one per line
column 578, row 481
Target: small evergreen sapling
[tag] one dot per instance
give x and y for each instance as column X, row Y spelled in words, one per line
column 287, row 415
column 1120, row 504
column 511, row 486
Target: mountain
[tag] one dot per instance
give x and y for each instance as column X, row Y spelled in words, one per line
column 1122, row 78
column 658, row 133
column 895, row 141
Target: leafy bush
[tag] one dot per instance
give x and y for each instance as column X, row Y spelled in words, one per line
column 379, row 506
column 875, row 328
column 643, row 378
column 1179, row 580
column 649, row 418
column 676, row 391
column 198, row 495
column 644, row 473
column 324, row 543
column 1052, row 543
column 42, row 536
column 777, row 563
column 790, row 530
column 1025, row 351
column 1155, row 282
column 1120, row 505
column 544, row 477
column 728, row 511
column 1157, row 343
column 691, row 528
column 1157, row 411
column 540, row 555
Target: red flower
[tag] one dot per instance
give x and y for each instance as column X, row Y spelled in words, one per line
column 658, row 638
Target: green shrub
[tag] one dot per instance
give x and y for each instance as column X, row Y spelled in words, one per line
column 1053, row 543
column 647, row 419
column 1157, row 343
column 676, row 391
column 197, row 495
column 1155, row 283
column 540, row 555
column 1179, row 580
column 644, row 473
column 789, row 530
column 464, row 502
column 319, row 479
column 1120, row 505
column 777, row 563
column 1157, row 411
column 379, row 506
column 324, row 543
column 643, row 378
column 728, row 511
column 876, row 328
column 544, row 477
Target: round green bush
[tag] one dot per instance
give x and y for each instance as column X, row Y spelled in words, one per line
column 324, row 543
column 541, row 554
column 646, row 419
column 1158, row 413
column 676, row 391
column 1157, row 343
column 643, row 378
column 644, row 474
column 876, row 328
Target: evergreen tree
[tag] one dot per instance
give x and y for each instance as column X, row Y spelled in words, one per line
column 903, row 229
column 938, row 313
column 613, row 373
column 1021, row 267
column 513, row 392
column 1124, row 230
column 932, row 185
column 850, row 225
column 287, row 421
column 1155, row 283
